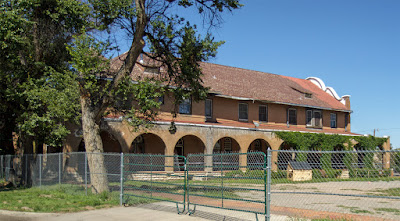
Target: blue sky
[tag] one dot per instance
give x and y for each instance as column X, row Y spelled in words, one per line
column 352, row 45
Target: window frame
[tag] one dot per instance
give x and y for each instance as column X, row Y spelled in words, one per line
column 333, row 120
column 288, row 116
column 320, row 119
column 247, row 112
column 266, row 113
column 311, row 121
column 188, row 102
column 211, row 108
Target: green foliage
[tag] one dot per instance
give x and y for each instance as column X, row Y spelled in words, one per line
column 368, row 173
column 38, row 93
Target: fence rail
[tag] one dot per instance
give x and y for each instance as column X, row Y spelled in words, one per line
column 363, row 183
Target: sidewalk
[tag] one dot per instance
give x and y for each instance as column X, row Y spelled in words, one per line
column 149, row 212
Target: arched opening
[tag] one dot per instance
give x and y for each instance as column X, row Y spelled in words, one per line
column 148, row 152
column 226, row 161
column 286, row 155
column 337, row 158
column 189, row 144
column 226, row 145
column 110, row 143
column 147, row 143
column 256, row 161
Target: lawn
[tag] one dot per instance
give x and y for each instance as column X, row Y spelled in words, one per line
column 58, row 198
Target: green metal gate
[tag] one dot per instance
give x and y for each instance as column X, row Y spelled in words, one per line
column 226, row 181
column 231, row 181
column 158, row 177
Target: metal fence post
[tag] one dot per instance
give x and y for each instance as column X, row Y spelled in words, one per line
column 40, row 170
column 122, row 180
column 86, row 173
column 26, row 170
column 268, row 199
column 1, row 166
column 59, row 167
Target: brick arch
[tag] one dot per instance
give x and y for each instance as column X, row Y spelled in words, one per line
column 190, row 141
column 149, row 143
column 251, row 146
column 110, row 142
column 235, row 145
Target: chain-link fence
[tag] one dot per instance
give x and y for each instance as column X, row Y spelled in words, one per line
column 64, row 169
column 350, row 185
column 342, row 184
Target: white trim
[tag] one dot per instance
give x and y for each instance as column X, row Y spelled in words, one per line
column 329, row 90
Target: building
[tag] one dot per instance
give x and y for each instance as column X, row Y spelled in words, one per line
column 242, row 113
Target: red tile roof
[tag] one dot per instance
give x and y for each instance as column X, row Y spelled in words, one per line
column 253, row 85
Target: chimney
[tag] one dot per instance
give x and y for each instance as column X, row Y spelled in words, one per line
column 346, row 99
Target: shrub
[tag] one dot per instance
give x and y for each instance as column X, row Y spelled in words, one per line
column 234, row 173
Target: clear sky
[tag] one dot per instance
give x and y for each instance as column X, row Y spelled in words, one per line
column 352, row 45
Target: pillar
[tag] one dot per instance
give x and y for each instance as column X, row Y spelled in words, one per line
column 386, row 155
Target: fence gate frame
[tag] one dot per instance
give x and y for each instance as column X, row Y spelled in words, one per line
column 266, row 180
column 179, row 163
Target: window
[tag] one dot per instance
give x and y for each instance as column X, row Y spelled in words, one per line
column 292, row 116
column 333, row 120
column 262, row 113
column 257, row 145
column 227, row 144
column 208, row 110
column 186, row 106
column 243, row 111
column 346, row 122
column 314, row 118
column 309, row 118
column 317, row 119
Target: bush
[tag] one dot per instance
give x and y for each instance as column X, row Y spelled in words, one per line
column 254, row 173
column 278, row 174
column 368, row 173
column 332, row 173
column 234, row 173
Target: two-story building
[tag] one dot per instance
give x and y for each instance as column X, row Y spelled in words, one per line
column 243, row 111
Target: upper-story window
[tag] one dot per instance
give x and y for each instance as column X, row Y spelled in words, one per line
column 333, row 120
column 185, row 107
column 346, row 121
column 243, row 112
column 314, row 118
column 208, row 108
column 292, row 116
column 262, row 113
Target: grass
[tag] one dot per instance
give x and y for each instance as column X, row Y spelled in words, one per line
column 64, row 198
column 389, row 210
column 355, row 209
column 386, row 192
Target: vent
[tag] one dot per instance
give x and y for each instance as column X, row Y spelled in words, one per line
column 307, row 95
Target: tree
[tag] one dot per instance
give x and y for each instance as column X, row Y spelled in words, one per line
column 37, row 89
column 170, row 39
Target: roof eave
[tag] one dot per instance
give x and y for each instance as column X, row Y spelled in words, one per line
column 283, row 103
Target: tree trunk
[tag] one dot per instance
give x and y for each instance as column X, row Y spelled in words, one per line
column 94, row 146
